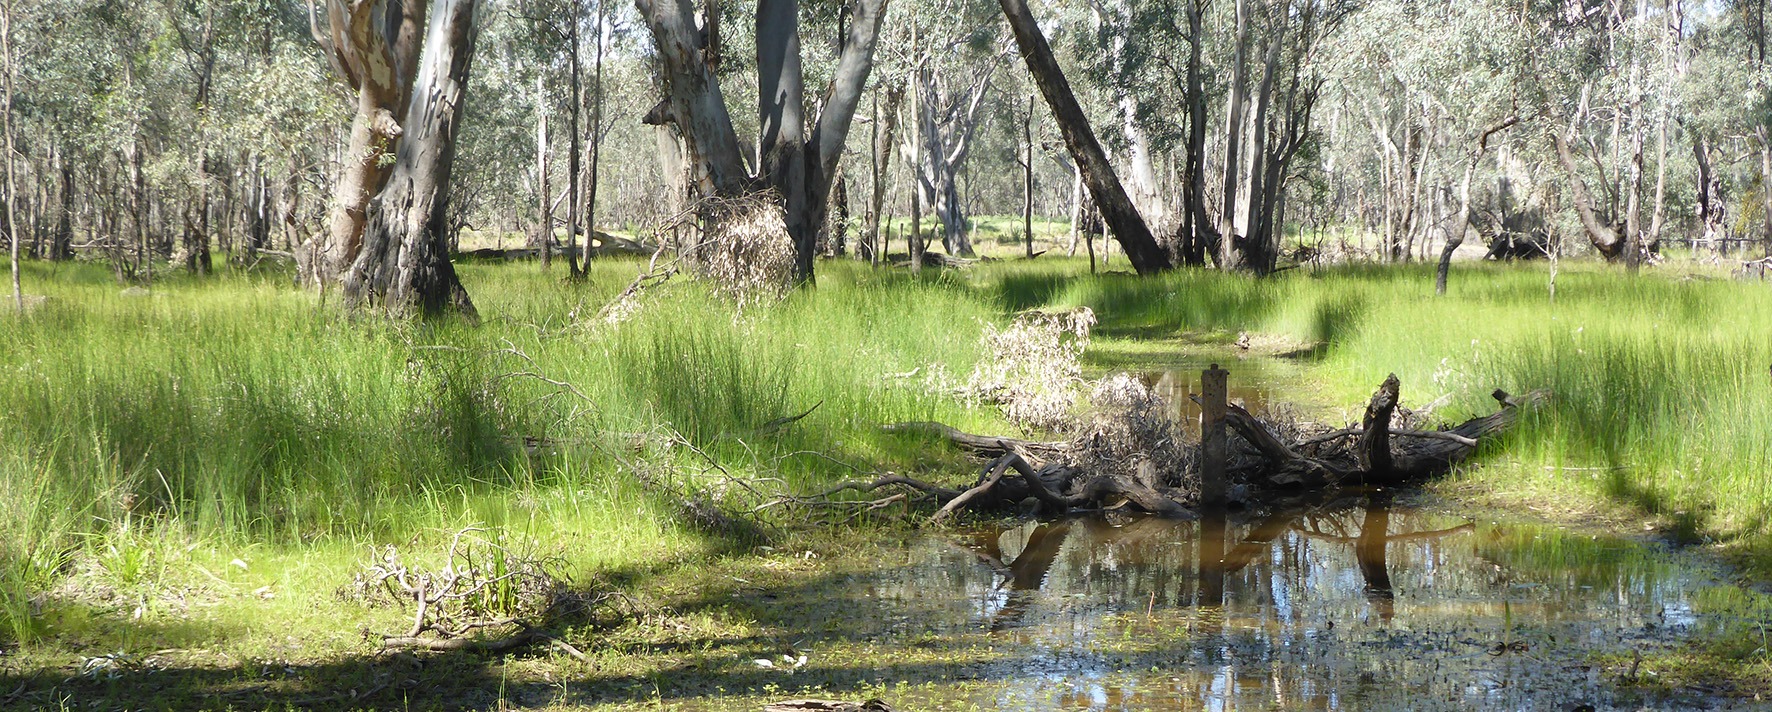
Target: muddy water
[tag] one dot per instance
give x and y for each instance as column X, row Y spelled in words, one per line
column 1358, row 604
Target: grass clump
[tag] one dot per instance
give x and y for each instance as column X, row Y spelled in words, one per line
column 1661, row 391
column 237, row 413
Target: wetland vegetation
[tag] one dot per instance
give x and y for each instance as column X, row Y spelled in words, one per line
column 569, row 354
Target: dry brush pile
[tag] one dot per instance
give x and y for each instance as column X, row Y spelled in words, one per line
column 1128, row 449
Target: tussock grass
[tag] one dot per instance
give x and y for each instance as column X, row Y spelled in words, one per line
column 235, row 412
column 1662, row 385
column 149, row 438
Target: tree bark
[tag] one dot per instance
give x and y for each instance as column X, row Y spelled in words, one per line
column 1202, row 237
column 1229, row 257
column 1604, row 237
column 693, row 102
column 61, row 246
column 574, row 146
column 781, row 118
column 544, row 229
column 1121, row 215
column 18, row 296
column 1373, row 450
column 800, row 167
column 597, row 135
column 884, row 128
column 404, row 266
column 376, row 59
column 1027, row 177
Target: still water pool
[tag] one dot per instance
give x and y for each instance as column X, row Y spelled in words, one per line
column 1357, row 603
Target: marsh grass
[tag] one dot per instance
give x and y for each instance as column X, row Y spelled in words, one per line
column 152, row 441
column 1661, row 385
column 237, row 413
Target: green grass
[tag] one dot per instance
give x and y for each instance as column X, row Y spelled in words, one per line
column 1662, row 394
column 234, row 413
column 167, row 458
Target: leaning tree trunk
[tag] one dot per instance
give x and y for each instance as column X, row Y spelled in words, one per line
column 1605, row 238
column 404, row 265
column 1104, row 185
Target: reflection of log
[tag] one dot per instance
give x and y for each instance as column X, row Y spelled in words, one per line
column 1260, row 458
column 1369, row 549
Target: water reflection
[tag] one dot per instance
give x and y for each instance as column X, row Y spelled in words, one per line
column 1358, row 604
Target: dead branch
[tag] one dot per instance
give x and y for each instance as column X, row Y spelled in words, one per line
column 1068, row 476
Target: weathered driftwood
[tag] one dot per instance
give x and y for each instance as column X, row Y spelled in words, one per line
column 1261, row 460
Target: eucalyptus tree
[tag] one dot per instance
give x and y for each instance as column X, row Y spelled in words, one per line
column 403, row 265
column 373, row 47
column 797, row 156
column 949, row 65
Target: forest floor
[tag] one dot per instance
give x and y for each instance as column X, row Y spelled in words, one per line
column 191, row 477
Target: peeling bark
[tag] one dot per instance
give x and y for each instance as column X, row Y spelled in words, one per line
column 404, row 265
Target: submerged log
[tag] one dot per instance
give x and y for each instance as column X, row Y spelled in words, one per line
column 1027, row 473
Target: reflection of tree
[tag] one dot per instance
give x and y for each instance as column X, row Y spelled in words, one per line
column 1370, row 545
column 1369, row 551
column 1027, row 572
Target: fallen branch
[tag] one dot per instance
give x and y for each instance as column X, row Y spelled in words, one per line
column 1262, row 458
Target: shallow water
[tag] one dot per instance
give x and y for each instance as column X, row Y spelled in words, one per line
column 1358, row 604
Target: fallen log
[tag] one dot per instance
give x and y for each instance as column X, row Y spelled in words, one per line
column 1262, row 460
column 989, row 446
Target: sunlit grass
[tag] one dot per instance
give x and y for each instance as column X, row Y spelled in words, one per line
column 240, row 413
column 1661, row 388
column 160, row 436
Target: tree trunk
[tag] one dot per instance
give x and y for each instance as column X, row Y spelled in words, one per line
column 574, row 147
column 800, row 167
column 1027, row 177
column 61, row 247
column 885, row 126
column 1604, row 237
column 1110, row 196
column 404, row 265
column 597, row 134
column 693, row 102
column 781, row 118
column 1202, row 237
column 1766, row 181
column 915, row 246
column 1229, row 256
column 544, row 229
column 1461, row 224
column 1261, row 193
column 1710, row 207
column 18, row 296
column 375, row 56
